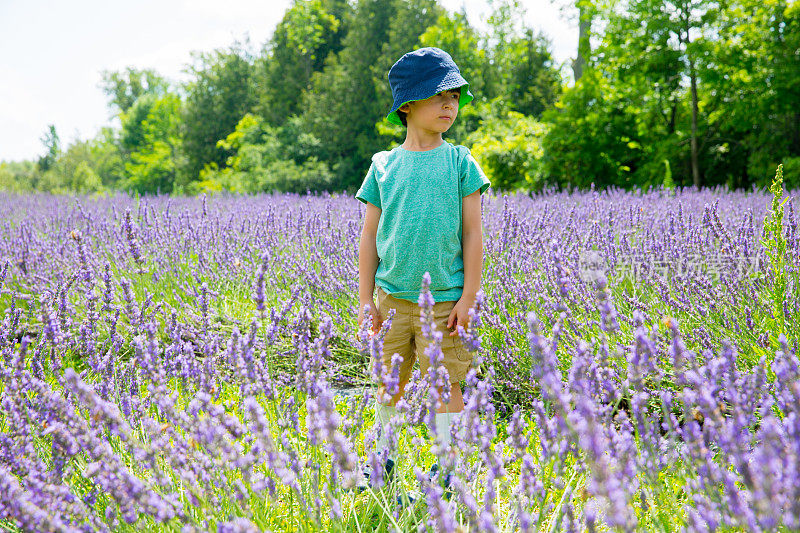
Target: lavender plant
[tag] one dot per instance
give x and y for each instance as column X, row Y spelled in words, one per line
column 185, row 364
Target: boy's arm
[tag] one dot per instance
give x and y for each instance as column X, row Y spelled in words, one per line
column 368, row 255
column 472, row 246
column 472, row 252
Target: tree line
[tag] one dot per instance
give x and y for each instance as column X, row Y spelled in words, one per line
column 665, row 92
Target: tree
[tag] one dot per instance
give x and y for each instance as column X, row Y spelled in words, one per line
column 125, row 87
column 675, row 35
column 75, row 170
column 508, row 146
column 592, row 135
column 259, row 164
column 221, row 92
column 52, row 146
column 352, row 93
column 107, row 159
column 753, row 92
column 132, row 133
column 533, row 83
column 153, row 166
column 505, row 24
column 308, row 33
column 586, row 13
column 522, row 70
column 18, row 176
column 648, row 104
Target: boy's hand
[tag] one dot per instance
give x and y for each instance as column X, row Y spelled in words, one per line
column 373, row 311
column 459, row 315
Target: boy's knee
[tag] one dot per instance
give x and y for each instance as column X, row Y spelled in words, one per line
column 394, row 399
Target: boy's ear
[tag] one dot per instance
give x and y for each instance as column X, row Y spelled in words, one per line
column 405, row 107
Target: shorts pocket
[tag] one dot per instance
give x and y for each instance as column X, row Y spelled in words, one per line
column 461, row 351
column 380, row 297
column 441, row 313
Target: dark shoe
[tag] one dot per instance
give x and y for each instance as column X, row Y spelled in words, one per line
column 444, row 482
column 366, row 471
column 405, row 499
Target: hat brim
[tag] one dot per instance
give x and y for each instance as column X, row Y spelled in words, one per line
column 465, row 98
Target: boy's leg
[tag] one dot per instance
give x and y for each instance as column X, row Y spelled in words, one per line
column 396, row 397
column 456, row 360
column 456, row 404
column 399, row 339
column 455, row 356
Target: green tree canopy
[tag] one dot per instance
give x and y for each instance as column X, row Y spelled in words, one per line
column 125, row 87
column 309, row 32
column 682, row 92
column 352, row 93
column 222, row 90
column 153, row 165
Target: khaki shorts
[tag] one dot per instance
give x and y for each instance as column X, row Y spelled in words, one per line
column 405, row 337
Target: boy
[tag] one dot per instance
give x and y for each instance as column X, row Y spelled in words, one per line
column 423, row 214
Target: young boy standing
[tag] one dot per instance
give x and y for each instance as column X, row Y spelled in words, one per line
column 423, row 214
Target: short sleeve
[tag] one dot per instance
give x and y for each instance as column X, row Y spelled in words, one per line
column 472, row 175
column 369, row 191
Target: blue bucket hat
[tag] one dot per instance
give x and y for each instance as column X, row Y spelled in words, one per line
column 421, row 74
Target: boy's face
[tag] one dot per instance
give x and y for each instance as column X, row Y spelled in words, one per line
column 436, row 113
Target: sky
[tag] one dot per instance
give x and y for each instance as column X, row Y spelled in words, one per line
column 52, row 53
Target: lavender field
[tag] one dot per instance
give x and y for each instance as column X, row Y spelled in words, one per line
column 195, row 364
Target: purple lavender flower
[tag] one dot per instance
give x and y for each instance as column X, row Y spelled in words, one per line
column 130, row 236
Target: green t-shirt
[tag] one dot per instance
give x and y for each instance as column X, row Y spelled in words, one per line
column 419, row 194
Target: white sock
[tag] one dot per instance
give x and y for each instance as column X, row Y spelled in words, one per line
column 443, row 423
column 384, row 413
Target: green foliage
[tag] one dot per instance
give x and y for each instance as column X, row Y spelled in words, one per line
column 221, row 92
column 302, row 41
column 85, row 167
column 792, row 166
column 17, row 176
column 757, row 87
column 76, row 170
column 774, row 243
column 522, row 70
column 505, row 23
column 628, row 113
column 509, row 149
column 589, row 138
column 320, row 83
column 53, row 146
column 154, row 158
column 124, row 88
column 133, row 122
column 258, row 164
column 107, row 159
column 668, row 183
column 532, row 83
column 742, row 55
